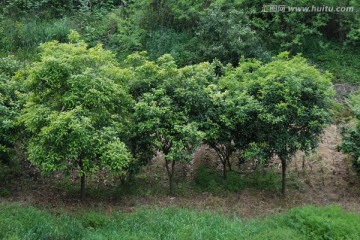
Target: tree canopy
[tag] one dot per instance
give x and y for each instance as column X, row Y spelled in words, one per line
column 76, row 109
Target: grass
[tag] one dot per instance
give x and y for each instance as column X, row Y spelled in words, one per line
column 22, row 36
column 210, row 180
column 22, row 222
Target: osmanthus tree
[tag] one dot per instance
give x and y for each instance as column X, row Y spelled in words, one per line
column 76, row 110
column 295, row 100
column 230, row 114
column 168, row 115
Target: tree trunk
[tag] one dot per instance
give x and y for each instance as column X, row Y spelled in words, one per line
column 224, row 156
column 283, row 167
column 82, row 181
column 170, row 171
column 229, row 163
column 82, row 187
column 224, row 169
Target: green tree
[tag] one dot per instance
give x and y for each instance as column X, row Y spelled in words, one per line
column 166, row 113
column 226, row 34
column 230, row 114
column 296, row 101
column 76, row 110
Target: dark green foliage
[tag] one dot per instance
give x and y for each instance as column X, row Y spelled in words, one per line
column 342, row 61
column 212, row 32
column 206, row 179
column 54, row 8
column 225, row 35
column 191, row 31
column 22, row 36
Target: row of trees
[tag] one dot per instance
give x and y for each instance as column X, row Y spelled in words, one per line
column 78, row 108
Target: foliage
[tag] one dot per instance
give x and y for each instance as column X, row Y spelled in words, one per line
column 9, row 106
column 341, row 61
column 166, row 110
column 351, row 135
column 228, row 118
column 76, row 109
column 296, row 102
column 226, row 35
column 22, row 222
column 54, row 8
column 206, row 179
column 212, row 32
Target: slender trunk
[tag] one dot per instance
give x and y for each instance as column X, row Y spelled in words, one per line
column 82, row 181
column 223, row 158
column 82, row 188
column 229, row 163
column 170, row 171
column 224, row 169
column 283, row 167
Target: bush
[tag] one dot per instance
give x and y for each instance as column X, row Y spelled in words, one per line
column 233, row 182
column 351, row 134
column 206, row 179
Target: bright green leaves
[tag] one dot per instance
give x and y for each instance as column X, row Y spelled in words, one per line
column 83, row 112
column 263, row 110
column 9, row 105
column 75, row 95
column 296, row 98
column 168, row 112
column 163, row 114
column 115, row 155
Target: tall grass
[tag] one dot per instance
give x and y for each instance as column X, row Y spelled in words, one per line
column 19, row 222
column 22, row 36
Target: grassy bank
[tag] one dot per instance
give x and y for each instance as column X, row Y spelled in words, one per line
column 20, row 222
